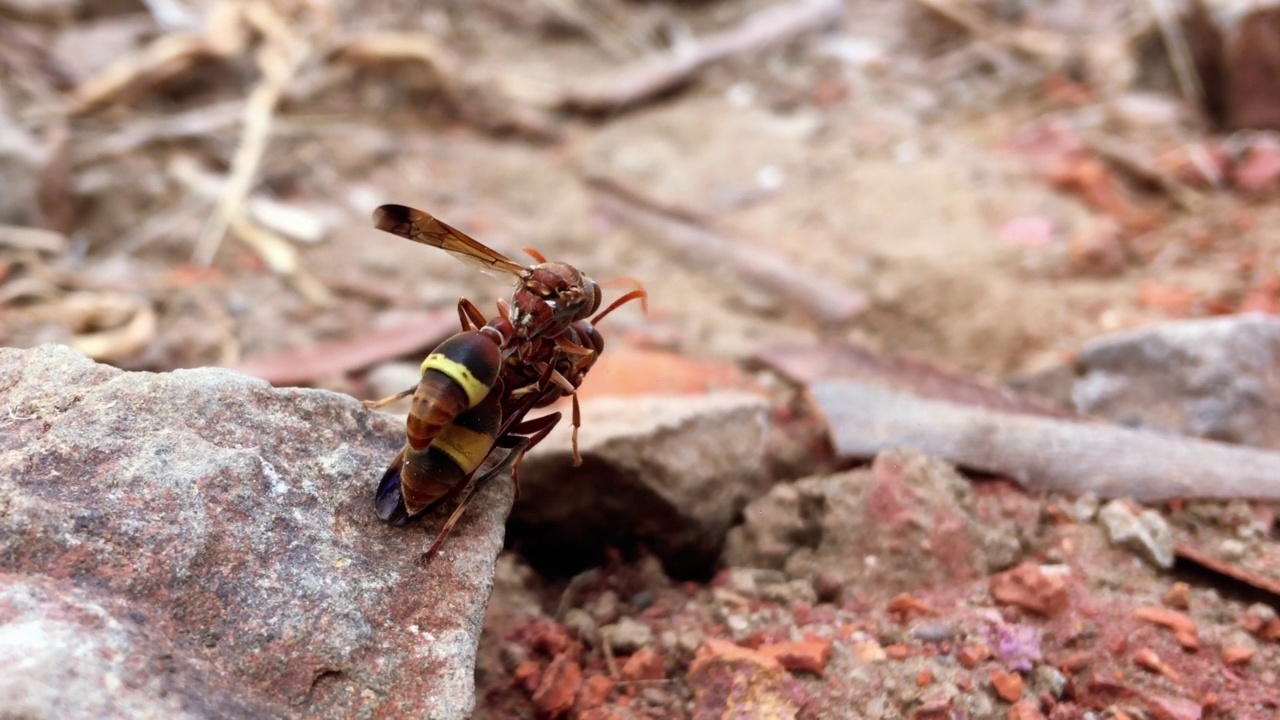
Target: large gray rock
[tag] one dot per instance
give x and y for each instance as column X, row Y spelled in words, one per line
column 199, row 544
column 1217, row 378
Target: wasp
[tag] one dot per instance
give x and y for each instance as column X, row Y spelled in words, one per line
column 476, row 387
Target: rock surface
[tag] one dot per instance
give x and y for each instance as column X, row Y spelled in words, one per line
column 1213, row 378
column 199, row 544
column 668, row 472
column 908, row 522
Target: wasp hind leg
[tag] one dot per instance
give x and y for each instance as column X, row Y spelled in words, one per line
column 516, row 447
column 516, row 451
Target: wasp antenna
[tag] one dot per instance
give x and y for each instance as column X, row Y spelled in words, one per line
column 642, row 295
column 537, row 256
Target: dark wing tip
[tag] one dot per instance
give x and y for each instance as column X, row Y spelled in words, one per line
column 389, row 217
column 389, row 502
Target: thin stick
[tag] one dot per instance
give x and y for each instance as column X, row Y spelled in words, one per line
column 684, row 231
column 654, row 75
column 278, row 60
column 1175, row 43
column 1045, row 454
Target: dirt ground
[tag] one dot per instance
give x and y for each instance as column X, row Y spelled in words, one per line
column 980, row 190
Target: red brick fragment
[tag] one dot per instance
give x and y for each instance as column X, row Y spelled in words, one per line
column 897, row 651
column 528, row 675
column 1163, row 707
column 644, row 664
column 713, row 651
column 1147, row 658
column 594, row 693
column 732, row 681
column 1075, row 662
column 972, row 655
column 1237, row 654
column 1008, row 685
column 907, row 605
column 1183, row 627
column 1025, row 709
column 924, row 678
column 1030, row 588
column 555, row 695
column 809, row 655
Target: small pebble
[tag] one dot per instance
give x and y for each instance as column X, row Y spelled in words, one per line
column 582, row 626
column 606, row 608
column 627, row 635
column 933, row 632
column 1144, row 532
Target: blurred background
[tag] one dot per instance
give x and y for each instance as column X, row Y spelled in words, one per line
column 189, row 182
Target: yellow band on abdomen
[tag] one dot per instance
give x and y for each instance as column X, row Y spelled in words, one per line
column 459, row 373
column 467, row 447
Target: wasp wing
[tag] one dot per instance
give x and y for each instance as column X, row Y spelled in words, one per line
column 423, row 227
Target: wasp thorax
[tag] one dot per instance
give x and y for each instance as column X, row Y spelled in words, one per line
column 550, row 297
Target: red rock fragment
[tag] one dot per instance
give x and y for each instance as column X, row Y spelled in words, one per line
column 560, row 681
column 1075, row 662
column 1237, row 654
column 1147, row 658
column 713, row 651
column 528, row 675
column 809, row 655
column 1172, row 708
column 1030, row 588
column 594, row 693
column 1025, row 709
column 644, row 664
column 732, row 681
column 971, row 655
column 940, row 709
column 897, row 651
column 1008, row 685
column 548, row 637
column 909, row 606
column 1271, row 631
column 924, row 678
column 1259, row 172
column 1183, row 627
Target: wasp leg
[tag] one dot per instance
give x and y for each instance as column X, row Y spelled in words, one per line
column 567, row 387
column 517, row 450
column 467, row 311
column 375, row 404
column 577, row 423
column 536, row 429
column 569, row 347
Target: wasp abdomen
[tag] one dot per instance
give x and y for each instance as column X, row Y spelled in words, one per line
column 457, row 375
column 453, row 455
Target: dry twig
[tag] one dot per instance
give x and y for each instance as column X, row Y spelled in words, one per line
column 650, row 77
column 279, row 59
column 1045, row 454
column 277, row 254
column 1131, row 162
column 1028, row 43
column 29, row 238
column 692, row 236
